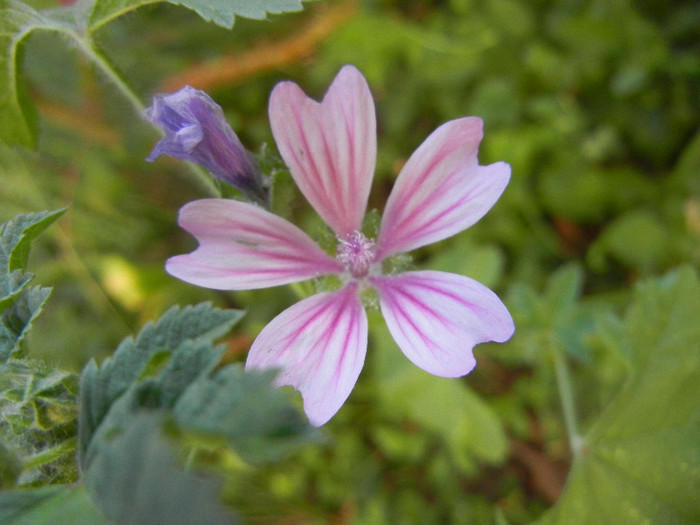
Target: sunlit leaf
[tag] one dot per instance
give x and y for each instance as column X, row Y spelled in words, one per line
column 641, row 462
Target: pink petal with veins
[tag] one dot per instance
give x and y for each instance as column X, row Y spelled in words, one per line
column 330, row 147
column 242, row 247
column 436, row 318
column 320, row 345
column 441, row 189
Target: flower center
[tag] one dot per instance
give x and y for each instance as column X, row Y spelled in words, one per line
column 356, row 253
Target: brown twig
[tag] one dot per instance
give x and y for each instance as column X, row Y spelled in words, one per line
column 229, row 70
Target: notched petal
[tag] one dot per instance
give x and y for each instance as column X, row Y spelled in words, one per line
column 330, row 147
column 319, row 345
column 441, row 190
column 243, row 247
column 436, row 318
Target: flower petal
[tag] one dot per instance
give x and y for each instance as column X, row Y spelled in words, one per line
column 436, row 318
column 320, row 345
column 330, row 147
column 441, row 190
column 242, row 247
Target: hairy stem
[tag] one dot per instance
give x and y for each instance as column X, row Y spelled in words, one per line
column 87, row 47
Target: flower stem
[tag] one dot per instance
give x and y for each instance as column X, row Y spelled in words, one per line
column 568, row 405
column 87, row 47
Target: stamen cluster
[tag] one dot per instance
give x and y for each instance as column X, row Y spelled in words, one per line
column 356, row 252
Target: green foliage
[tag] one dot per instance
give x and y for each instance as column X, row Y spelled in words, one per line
column 183, row 336
column 230, row 404
column 37, row 403
column 136, row 479
column 220, row 12
column 39, row 421
column 594, row 105
column 60, row 505
column 468, row 427
column 15, row 238
column 643, row 448
column 18, row 20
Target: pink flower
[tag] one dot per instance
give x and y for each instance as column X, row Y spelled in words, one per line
column 319, row 344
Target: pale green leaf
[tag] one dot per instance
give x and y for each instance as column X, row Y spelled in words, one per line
column 641, row 461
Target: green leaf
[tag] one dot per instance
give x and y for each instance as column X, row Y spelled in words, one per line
column 556, row 317
column 58, row 505
column 16, row 320
column 18, row 234
column 185, row 334
column 221, row 12
column 38, row 420
column 16, row 237
column 17, row 21
column 447, row 408
column 258, row 420
column 644, row 447
column 137, row 480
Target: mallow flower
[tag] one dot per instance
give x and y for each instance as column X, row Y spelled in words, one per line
column 319, row 344
column 196, row 130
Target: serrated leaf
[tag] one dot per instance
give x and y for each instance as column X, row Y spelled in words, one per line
column 185, row 333
column 16, row 320
column 38, row 414
column 220, row 12
column 18, row 234
column 136, row 480
column 17, row 21
column 58, row 505
column 16, row 237
column 644, row 447
column 256, row 419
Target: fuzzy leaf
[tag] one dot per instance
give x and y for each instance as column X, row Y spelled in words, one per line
column 16, row 237
column 137, row 480
column 17, row 21
column 17, row 319
column 643, row 448
column 57, row 505
column 221, row 12
column 38, row 420
column 183, row 334
column 244, row 408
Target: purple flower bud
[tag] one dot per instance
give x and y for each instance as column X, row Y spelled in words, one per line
column 196, row 130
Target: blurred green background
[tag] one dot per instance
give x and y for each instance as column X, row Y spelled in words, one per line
column 596, row 106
